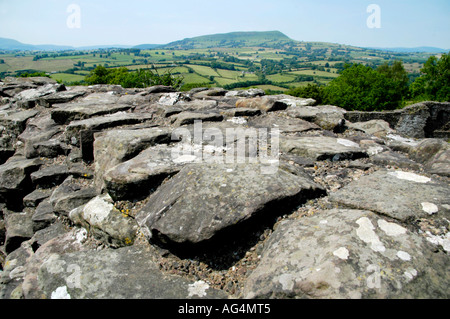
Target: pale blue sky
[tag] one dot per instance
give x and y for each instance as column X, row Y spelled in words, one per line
column 408, row 23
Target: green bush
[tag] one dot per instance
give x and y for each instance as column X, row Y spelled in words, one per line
column 141, row 78
column 362, row 88
column 434, row 84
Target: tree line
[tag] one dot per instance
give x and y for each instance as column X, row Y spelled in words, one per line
column 386, row 87
column 140, row 78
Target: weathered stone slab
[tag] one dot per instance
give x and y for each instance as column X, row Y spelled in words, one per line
column 287, row 125
column 264, row 103
column 73, row 130
column 34, row 198
column 394, row 159
column 60, row 97
column 202, row 200
column 322, row 148
column 397, row 194
column 186, row 118
column 327, row 117
column 50, row 176
column 378, row 128
column 95, row 104
column 246, row 93
column 124, row 273
column 40, row 137
column 19, row 228
column 141, row 174
column 15, row 122
column 113, row 147
column 43, row 216
column 70, row 195
column 106, row 222
column 28, row 98
column 15, row 178
column 348, row 254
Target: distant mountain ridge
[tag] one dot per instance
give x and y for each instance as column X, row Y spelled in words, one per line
column 232, row 39
column 11, row 44
column 225, row 40
column 412, row 50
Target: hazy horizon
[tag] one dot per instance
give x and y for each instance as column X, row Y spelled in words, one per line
column 80, row 23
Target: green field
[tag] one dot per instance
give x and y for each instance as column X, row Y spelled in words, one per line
column 270, row 58
column 67, row 78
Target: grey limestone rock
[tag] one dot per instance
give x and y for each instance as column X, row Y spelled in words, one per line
column 322, row 148
column 398, row 194
column 346, row 254
column 124, row 273
column 202, row 200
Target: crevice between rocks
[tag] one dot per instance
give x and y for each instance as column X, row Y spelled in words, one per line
column 230, row 244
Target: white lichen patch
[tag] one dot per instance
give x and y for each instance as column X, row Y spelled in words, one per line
column 237, row 120
column 287, row 281
column 443, row 240
column 184, row 159
column 391, row 229
column 403, row 140
column 410, row 177
column 97, row 210
column 403, row 255
column 54, row 264
column 410, row 274
column 348, row 143
column 367, row 234
column 374, row 150
column 429, row 208
column 81, row 236
column 60, row 293
column 198, row 288
column 341, row 253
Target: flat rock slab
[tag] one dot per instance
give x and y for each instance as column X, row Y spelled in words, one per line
column 397, row 194
column 203, row 199
column 15, row 179
column 186, row 118
column 287, row 125
column 322, row 148
column 141, row 174
column 50, row 176
column 115, row 146
column 343, row 254
column 124, row 273
column 70, row 195
column 15, row 121
column 19, row 228
column 95, row 104
column 264, row 103
column 73, row 130
column 15, row 171
column 394, row 159
column 60, row 97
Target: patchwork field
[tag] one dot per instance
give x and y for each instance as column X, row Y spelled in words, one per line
column 274, row 66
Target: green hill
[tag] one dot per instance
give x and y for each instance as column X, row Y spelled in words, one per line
column 232, row 40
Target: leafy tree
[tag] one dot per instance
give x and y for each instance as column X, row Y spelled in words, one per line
column 98, row 76
column 397, row 74
column 434, row 84
column 362, row 88
column 140, row 78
